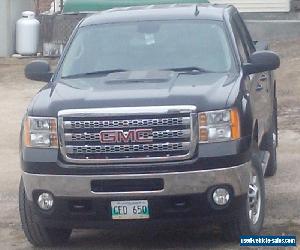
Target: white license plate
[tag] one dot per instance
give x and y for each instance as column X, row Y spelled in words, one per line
column 130, row 210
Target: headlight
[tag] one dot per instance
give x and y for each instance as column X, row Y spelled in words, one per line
column 218, row 126
column 40, row 132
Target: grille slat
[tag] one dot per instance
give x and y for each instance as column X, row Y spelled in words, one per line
column 135, row 148
column 121, row 135
column 135, row 123
column 157, row 135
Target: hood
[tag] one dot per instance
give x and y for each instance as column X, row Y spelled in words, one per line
column 207, row 91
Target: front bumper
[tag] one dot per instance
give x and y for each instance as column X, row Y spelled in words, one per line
column 174, row 183
column 183, row 200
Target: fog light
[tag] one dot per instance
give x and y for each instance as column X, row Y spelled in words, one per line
column 221, row 196
column 45, row 201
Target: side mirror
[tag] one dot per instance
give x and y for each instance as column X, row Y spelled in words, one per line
column 38, row 71
column 261, row 61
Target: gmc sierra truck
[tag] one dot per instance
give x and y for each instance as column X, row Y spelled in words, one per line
column 157, row 114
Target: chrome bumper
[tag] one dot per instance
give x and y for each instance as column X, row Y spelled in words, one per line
column 175, row 183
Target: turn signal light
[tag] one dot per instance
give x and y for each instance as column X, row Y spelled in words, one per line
column 40, row 132
column 235, row 124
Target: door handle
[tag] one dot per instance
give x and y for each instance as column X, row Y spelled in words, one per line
column 259, row 87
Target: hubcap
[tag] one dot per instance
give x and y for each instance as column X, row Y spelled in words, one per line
column 254, row 198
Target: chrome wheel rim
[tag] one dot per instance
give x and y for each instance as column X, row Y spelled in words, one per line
column 254, row 198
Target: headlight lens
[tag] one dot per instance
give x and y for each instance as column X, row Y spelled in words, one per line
column 218, row 126
column 40, row 132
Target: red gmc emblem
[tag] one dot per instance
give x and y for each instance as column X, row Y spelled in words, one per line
column 120, row 136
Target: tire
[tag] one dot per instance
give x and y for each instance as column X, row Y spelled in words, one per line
column 243, row 225
column 36, row 233
column 271, row 143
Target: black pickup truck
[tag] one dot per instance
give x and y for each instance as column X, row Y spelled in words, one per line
column 158, row 114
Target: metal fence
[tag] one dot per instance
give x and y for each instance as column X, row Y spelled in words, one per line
column 56, row 30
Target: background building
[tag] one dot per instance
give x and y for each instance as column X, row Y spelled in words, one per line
column 243, row 5
column 258, row 5
column 10, row 12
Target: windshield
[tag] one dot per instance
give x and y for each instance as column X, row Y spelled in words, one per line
column 151, row 45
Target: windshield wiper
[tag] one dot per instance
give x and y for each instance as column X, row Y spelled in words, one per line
column 190, row 70
column 100, row 73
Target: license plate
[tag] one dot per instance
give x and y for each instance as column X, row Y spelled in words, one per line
column 130, row 210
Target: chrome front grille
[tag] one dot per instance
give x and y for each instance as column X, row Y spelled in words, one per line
column 127, row 123
column 170, row 135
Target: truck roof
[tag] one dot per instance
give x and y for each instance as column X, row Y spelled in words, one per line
column 158, row 12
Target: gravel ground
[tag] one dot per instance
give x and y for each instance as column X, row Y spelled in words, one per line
column 282, row 191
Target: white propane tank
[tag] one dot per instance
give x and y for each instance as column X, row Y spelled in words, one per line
column 27, row 34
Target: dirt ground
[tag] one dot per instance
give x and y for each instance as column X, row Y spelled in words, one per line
column 282, row 191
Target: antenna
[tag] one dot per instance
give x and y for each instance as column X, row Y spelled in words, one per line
column 197, row 11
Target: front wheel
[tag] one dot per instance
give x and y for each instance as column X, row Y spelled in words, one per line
column 252, row 212
column 36, row 233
